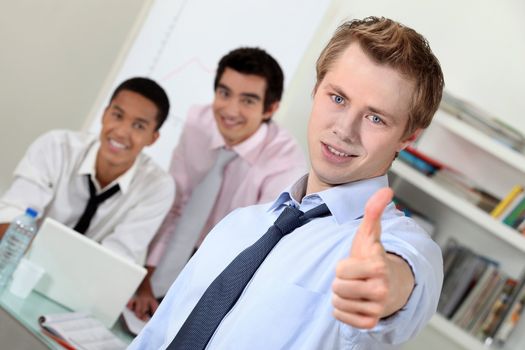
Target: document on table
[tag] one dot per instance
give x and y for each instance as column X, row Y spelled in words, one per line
column 77, row 330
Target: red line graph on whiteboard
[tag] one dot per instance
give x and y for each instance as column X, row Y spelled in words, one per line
column 193, row 61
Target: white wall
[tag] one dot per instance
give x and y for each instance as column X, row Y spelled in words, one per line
column 54, row 57
column 480, row 44
column 181, row 54
column 57, row 54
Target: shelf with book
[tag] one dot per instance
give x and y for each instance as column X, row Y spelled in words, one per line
column 473, row 213
column 483, row 171
column 458, row 335
column 481, row 140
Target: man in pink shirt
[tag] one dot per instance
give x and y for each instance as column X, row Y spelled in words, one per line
column 262, row 160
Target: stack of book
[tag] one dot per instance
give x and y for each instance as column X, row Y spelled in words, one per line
column 484, row 122
column 478, row 297
column 449, row 178
column 420, row 161
column 511, row 209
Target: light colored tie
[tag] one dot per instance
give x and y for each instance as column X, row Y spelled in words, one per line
column 189, row 225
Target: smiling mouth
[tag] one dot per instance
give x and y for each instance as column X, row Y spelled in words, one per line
column 336, row 152
column 116, row 144
column 230, row 122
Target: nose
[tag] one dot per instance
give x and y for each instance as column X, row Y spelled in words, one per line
column 232, row 107
column 347, row 126
column 123, row 129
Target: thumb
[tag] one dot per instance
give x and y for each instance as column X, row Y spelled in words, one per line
column 369, row 232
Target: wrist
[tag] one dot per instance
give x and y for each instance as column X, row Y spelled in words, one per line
column 403, row 278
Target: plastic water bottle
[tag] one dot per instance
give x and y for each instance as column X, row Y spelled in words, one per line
column 15, row 242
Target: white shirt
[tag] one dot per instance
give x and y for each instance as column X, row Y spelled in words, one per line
column 51, row 178
column 288, row 302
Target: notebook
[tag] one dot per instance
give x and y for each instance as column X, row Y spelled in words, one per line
column 81, row 274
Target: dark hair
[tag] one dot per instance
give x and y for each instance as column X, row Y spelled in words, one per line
column 402, row 48
column 150, row 90
column 252, row 60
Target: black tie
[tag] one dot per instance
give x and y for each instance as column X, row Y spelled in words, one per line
column 224, row 291
column 92, row 205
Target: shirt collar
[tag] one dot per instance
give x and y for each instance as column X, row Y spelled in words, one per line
column 87, row 167
column 346, row 202
column 248, row 149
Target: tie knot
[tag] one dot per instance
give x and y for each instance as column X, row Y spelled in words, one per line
column 292, row 218
column 289, row 220
column 225, row 290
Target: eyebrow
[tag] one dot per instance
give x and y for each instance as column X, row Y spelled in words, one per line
column 115, row 106
column 142, row 120
column 340, row 92
column 244, row 94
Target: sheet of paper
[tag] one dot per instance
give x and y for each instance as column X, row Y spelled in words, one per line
column 81, row 331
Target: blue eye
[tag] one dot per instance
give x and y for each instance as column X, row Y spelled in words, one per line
column 338, row 99
column 376, row 119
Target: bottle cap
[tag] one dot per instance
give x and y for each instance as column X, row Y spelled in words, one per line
column 32, row 212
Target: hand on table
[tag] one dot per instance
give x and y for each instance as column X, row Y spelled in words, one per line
column 144, row 306
column 143, row 303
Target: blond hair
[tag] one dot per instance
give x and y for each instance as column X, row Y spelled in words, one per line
column 391, row 43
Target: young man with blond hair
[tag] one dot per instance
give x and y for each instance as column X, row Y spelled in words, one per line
column 340, row 268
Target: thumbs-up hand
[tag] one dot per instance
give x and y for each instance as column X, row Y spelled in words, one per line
column 370, row 284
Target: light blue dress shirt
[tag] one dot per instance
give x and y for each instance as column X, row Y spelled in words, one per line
column 287, row 304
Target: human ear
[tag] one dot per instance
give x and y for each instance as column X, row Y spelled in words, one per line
column 408, row 140
column 271, row 110
column 154, row 137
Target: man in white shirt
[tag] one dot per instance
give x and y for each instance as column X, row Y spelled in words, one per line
column 103, row 187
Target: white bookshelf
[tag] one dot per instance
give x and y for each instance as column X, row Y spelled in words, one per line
column 481, row 140
column 458, row 335
column 470, row 211
column 473, row 153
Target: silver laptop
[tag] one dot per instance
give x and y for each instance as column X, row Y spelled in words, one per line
column 81, row 274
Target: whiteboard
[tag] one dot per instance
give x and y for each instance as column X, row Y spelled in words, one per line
column 181, row 42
